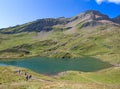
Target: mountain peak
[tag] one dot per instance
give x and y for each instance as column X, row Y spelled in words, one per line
column 96, row 15
column 90, row 15
column 87, row 18
column 93, row 18
column 92, row 11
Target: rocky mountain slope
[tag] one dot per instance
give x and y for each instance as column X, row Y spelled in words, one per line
column 90, row 33
column 89, row 18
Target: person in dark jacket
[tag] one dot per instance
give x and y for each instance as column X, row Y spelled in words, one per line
column 30, row 76
column 27, row 77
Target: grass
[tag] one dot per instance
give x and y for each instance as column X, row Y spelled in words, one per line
column 106, row 76
column 99, row 42
column 102, row 44
column 104, row 79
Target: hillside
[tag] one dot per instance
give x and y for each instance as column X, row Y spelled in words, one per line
column 90, row 33
column 105, row 79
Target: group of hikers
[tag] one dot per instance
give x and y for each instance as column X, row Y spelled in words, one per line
column 27, row 77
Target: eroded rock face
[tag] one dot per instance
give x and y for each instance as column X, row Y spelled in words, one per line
column 96, row 15
column 91, row 24
column 117, row 19
column 90, row 15
column 87, row 18
column 35, row 26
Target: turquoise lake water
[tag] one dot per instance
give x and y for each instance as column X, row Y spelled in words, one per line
column 53, row 65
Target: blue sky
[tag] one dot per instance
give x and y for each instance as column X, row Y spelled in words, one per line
column 13, row 12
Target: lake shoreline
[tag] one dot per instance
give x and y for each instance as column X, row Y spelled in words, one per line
column 55, row 65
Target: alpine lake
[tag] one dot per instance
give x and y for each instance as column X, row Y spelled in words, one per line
column 52, row 66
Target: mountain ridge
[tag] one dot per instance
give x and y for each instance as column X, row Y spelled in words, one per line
column 92, row 18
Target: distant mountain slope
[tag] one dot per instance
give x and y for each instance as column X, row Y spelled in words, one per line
column 88, row 18
column 87, row 34
column 35, row 26
column 116, row 19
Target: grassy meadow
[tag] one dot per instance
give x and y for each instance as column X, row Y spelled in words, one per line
column 101, row 44
column 71, row 41
column 104, row 79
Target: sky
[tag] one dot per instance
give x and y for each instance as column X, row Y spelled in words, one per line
column 14, row 12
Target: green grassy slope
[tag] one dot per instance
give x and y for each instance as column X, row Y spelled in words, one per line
column 105, row 79
column 75, row 37
column 102, row 44
column 106, row 76
column 90, row 33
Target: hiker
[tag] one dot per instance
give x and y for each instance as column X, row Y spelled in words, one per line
column 30, row 76
column 19, row 71
column 25, row 74
column 27, row 77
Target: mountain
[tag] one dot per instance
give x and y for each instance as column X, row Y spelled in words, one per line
column 89, row 33
column 93, row 18
column 88, row 18
column 35, row 26
column 117, row 19
column 92, row 15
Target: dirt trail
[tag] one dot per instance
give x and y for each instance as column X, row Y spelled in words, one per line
column 22, row 73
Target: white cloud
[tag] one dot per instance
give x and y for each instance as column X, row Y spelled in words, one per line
column 100, row 1
column 112, row 1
